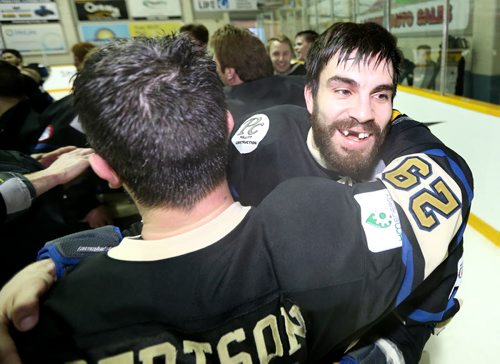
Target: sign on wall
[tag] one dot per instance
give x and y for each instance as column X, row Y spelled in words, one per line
column 101, row 10
column 153, row 9
column 28, row 11
column 151, row 29
column 104, row 32
column 34, row 38
column 224, row 5
column 425, row 16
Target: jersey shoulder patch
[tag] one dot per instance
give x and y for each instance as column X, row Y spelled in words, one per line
column 380, row 220
column 249, row 135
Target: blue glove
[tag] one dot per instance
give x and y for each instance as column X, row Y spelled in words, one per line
column 68, row 251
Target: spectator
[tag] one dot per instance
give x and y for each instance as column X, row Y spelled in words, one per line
column 303, row 41
column 19, row 123
column 280, row 50
column 198, row 32
column 424, row 74
column 13, row 56
column 246, row 69
column 39, row 98
column 79, row 51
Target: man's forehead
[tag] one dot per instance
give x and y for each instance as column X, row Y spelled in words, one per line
column 350, row 62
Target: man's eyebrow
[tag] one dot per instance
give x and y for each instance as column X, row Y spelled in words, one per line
column 384, row 87
column 341, row 79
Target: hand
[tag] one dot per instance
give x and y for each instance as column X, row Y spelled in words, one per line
column 98, row 217
column 46, row 159
column 19, row 304
column 66, row 166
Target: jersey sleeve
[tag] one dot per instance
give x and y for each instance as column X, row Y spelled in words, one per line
column 433, row 187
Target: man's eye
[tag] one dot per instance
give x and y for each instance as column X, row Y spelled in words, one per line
column 383, row 96
column 343, row 92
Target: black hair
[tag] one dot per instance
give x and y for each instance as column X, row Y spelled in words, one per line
column 368, row 40
column 309, row 35
column 154, row 109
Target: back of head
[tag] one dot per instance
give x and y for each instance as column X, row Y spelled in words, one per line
column 368, row 40
column 309, row 35
column 197, row 31
column 80, row 50
column 240, row 49
column 154, row 109
column 12, row 82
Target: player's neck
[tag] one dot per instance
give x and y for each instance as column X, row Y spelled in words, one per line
column 165, row 222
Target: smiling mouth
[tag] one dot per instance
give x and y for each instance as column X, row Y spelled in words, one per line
column 355, row 135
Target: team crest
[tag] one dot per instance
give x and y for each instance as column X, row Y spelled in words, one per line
column 250, row 133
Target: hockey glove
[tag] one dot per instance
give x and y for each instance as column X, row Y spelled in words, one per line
column 68, row 251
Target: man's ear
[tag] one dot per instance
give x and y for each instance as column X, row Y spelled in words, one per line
column 104, row 171
column 308, row 96
column 230, row 122
column 232, row 77
column 230, row 73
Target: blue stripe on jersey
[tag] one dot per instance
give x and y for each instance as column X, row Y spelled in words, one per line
column 456, row 169
column 424, row 316
column 407, row 255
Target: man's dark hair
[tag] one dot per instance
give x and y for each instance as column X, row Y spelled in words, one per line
column 154, row 109
column 367, row 39
column 196, row 31
column 12, row 82
column 15, row 52
column 309, row 35
column 240, row 49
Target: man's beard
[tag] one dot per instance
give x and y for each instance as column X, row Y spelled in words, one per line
column 357, row 164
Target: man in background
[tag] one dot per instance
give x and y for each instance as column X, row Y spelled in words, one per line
column 303, row 41
column 197, row 32
column 247, row 72
column 280, row 51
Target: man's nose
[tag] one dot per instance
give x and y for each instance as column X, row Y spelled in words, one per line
column 362, row 109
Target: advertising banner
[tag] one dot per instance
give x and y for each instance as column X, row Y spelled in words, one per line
column 423, row 16
column 34, row 38
column 101, row 10
column 28, row 11
column 155, row 9
column 151, row 29
column 103, row 33
column 224, row 5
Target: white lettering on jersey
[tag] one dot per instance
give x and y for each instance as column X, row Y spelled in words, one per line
column 199, row 349
column 250, row 134
column 380, row 220
column 265, row 332
column 430, row 199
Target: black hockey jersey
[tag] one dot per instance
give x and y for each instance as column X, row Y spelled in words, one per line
column 270, row 147
column 293, row 280
column 251, row 96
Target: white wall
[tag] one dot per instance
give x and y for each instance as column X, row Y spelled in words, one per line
column 472, row 134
